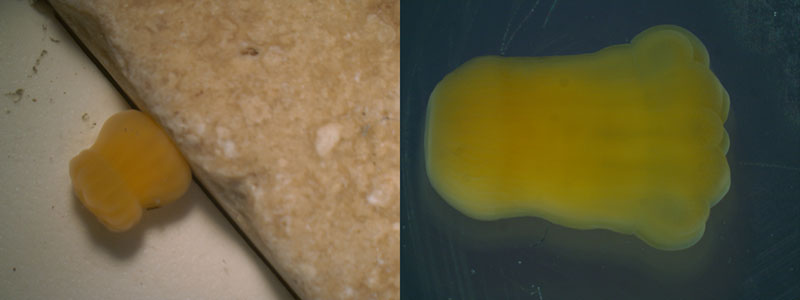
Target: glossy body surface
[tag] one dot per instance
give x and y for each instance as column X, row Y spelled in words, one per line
column 629, row 138
column 133, row 165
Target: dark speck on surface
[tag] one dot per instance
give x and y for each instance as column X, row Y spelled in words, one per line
column 249, row 51
column 16, row 94
column 38, row 61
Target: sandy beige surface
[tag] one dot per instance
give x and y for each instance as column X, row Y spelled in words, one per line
column 288, row 111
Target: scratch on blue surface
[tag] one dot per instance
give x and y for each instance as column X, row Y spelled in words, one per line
column 505, row 34
column 508, row 38
column 537, row 292
column 768, row 165
column 547, row 18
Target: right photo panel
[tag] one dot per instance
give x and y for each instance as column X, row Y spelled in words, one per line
column 626, row 149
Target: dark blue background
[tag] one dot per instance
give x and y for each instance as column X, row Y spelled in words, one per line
column 751, row 249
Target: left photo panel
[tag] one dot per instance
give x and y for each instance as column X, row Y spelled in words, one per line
column 200, row 149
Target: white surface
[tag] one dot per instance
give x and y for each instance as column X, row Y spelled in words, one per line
column 53, row 248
